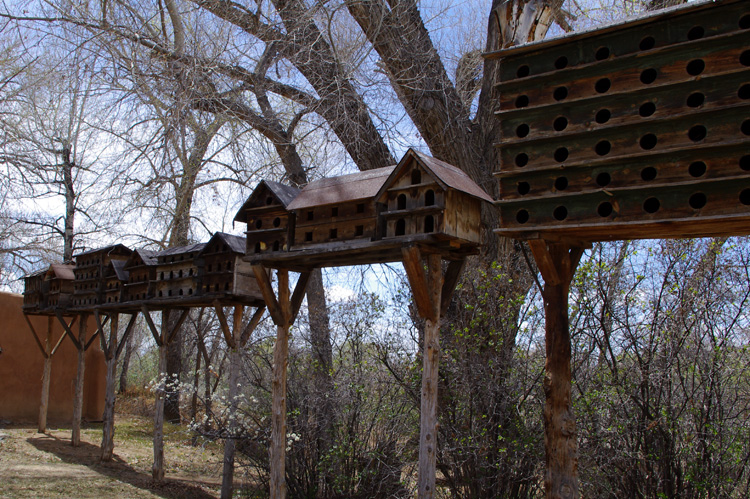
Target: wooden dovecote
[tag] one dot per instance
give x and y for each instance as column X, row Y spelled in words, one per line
column 141, row 268
column 223, row 272
column 336, row 209
column 35, row 291
column 424, row 195
column 177, row 272
column 115, row 277
column 636, row 130
column 60, row 279
column 91, row 271
column 270, row 225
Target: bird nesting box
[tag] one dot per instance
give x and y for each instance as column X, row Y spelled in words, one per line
column 60, row 279
column 222, row 271
column 141, row 269
column 424, row 195
column 177, row 271
column 35, row 292
column 270, row 225
column 635, row 130
column 92, row 271
column 368, row 217
column 335, row 210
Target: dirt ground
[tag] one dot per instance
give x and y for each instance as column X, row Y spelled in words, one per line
column 47, row 466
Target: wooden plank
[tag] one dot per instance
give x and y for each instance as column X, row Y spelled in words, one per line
column 224, row 326
column 36, row 337
column 415, row 272
column 429, row 400
column 46, row 376
column 544, row 261
column 157, row 469
column 151, row 326
column 452, row 274
column 178, row 325
column 108, row 427
column 277, row 451
column 67, row 329
column 298, row 295
column 126, row 334
column 75, row 438
column 264, row 283
column 100, row 327
column 254, row 321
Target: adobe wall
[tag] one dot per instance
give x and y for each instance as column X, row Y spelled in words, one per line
column 21, row 366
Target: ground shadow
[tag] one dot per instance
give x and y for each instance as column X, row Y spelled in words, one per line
column 89, row 455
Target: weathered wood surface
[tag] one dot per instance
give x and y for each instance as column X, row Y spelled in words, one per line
column 235, row 365
column 75, row 438
column 157, row 469
column 636, row 131
column 557, row 264
column 46, row 374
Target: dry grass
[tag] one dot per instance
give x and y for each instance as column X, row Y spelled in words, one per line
column 46, row 465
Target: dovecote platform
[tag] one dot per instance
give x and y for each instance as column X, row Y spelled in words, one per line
column 638, row 130
column 368, row 217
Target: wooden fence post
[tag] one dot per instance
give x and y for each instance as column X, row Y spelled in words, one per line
column 46, row 374
column 75, row 439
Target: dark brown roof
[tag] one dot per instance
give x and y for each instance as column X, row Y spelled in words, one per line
column 119, row 267
column 447, row 175
column 235, row 243
column 285, row 194
column 180, row 250
column 107, row 250
column 340, row 189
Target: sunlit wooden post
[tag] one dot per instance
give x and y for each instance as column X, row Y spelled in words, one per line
column 236, row 339
column 557, row 264
column 46, row 374
column 432, row 294
column 283, row 310
column 75, row 438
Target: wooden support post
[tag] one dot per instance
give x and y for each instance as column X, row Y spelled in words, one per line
column 432, row 292
column 75, row 439
column 46, row 374
column 283, row 311
column 557, row 263
column 157, row 470
column 235, row 344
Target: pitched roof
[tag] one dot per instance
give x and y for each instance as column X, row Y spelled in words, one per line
column 148, row 256
column 235, row 243
column 119, row 267
column 61, row 271
column 447, row 175
column 106, row 249
column 179, row 250
column 333, row 190
column 285, row 194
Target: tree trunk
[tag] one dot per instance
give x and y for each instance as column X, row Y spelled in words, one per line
column 235, row 363
column 75, row 438
column 70, row 203
column 126, row 364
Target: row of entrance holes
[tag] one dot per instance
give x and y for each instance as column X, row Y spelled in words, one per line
column 647, row 43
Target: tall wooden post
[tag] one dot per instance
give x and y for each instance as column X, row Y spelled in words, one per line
column 236, row 339
column 432, row 294
column 283, row 312
column 111, row 349
column 75, row 439
column 162, row 339
column 47, row 352
column 557, row 263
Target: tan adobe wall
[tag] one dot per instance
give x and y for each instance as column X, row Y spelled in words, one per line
column 21, row 366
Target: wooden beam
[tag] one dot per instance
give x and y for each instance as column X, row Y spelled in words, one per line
column 108, row 427
column 126, row 334
column 100, row 327
column 544, row 261
column 178, row 325
column 151, row 326
column 266, row 289
column 299, row 294
column 36, row 337
column 57, row 345
column 75, row 438
column 67, row 328
column 46, row 376
column 419, row 288
column 224, row 325
column 452, row 274
column 254, row 321
column 157, row 470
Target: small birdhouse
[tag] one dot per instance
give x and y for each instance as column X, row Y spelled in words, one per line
column 141, row 269
column 426, row 196
column 335, row 210
column 270, row 225
column 60, row 279
column 115, row 277
column 35, row 292
column 177, row 271
column 222, row 271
